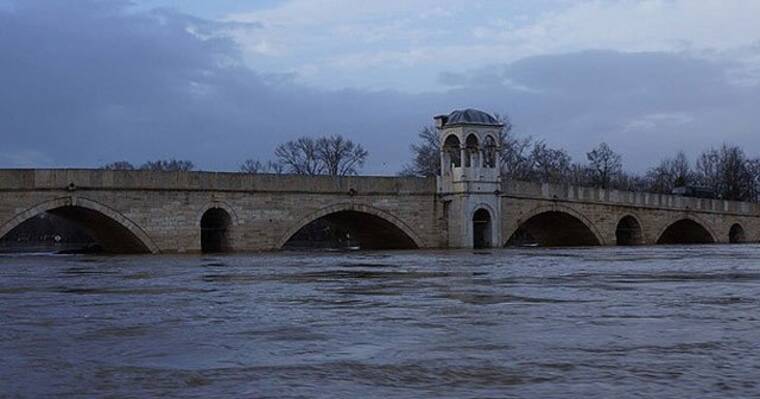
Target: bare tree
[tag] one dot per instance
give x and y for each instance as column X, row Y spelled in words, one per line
column 340, row 156
column 252, row 166
column 514, row 153
column 300, row 156
column 275, row 168
column 681, row 170
column 708, row 170
column 168, row 165
column 605, row 165
column 754, row 170
column 727, row 172
column 119, row 165
column 549, row 165
column 580, row 175
column 669, row 174
column 516, row 162
column 255, row 167
column 426, row 160
column 737, row 180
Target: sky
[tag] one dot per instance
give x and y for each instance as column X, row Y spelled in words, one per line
column 87, row 82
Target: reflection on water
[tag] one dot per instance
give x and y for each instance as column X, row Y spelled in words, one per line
column 581, row 323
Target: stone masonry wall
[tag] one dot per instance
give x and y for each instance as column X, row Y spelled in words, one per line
column 265, row 209
column 164, row 209
column 602, row 210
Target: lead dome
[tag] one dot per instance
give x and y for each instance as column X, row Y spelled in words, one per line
column 467, row 117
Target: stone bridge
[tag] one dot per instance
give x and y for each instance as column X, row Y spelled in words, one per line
column 190, row 212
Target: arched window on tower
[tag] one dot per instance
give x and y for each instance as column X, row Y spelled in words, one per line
column 452, row 151
column 490, row 153
column 472, row 155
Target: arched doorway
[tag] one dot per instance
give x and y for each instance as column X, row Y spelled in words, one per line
column 686, row 231
column 349, row 229
column 553, row 229
column 216, row 224
column 73, row 229
column 481, row 229
column 737, row 234
column 628, row 232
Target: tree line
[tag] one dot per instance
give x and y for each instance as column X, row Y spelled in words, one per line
column 725, row 172
column 332, row 155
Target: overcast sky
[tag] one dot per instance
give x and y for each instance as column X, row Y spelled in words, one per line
column 85, row 82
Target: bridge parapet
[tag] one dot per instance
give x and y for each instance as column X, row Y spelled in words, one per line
column 569, row 193
column 94, row 179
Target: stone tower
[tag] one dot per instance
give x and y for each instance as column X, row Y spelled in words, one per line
column 470, row 178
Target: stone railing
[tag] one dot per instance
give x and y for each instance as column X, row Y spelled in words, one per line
column 568, row 193
column 95, row 179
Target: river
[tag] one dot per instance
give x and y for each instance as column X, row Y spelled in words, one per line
column 527, row 323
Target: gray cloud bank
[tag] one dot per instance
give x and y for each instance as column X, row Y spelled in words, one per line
column 90, row 82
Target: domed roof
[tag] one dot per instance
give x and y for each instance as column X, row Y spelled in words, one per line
column 469, row 117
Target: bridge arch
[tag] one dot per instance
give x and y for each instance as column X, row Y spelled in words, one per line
column 221, row 205
column 217, row 221
column 390, row 225
column 556, row 226
column 737, row 235
column 114, row 232
column 686, row 229
column 629, row 231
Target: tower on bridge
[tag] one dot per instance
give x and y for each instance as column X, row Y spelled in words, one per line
column 470, row 178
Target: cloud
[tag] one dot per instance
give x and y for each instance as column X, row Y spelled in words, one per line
column 646, row 105
column 91, row 82
column 342, row 43
column 658, row 121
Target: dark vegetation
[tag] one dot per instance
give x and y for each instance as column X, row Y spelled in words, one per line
column 329, row 155
column 166, row 165
column 723, row 173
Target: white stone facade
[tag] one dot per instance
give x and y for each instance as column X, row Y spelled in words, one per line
column 470, row 179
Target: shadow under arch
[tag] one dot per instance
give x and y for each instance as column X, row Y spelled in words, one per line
column 555, row 226
column 686, row 230
column 370, row 227
column 217, row 221
column 481, row 228
column 452, row 150
column 114, row 232
column 472, row 150
column 737, row 235
column 629, row 231
column 221, row 205
column 216, row 231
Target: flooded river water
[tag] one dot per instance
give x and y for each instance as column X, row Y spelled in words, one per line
column 536, row 323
